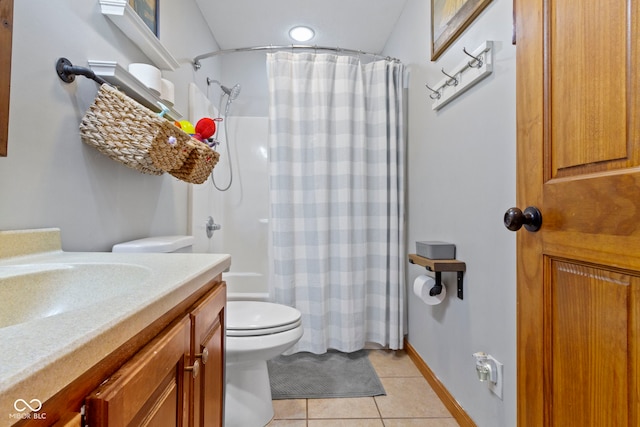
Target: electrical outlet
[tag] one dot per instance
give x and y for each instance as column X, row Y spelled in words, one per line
column 489, row 370
column 496, row 387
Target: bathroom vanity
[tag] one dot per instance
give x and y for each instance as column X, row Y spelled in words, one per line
column 174, row 380
column 131, row 339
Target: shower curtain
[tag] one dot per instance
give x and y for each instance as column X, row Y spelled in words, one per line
column 336, row 177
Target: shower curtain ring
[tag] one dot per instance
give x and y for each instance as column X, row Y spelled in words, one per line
column 477, row 59
column 436, row 93
column 448, row 83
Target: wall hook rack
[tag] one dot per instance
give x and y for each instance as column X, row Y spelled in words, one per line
column 438, row 266
column 68, row 72
column 461, row 78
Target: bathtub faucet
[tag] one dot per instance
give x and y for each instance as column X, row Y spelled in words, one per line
column 211, row 227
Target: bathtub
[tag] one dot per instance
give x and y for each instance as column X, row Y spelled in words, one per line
column 247, row 286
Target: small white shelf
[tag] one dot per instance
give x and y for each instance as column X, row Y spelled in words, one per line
column 134, row 27
column 125, row 81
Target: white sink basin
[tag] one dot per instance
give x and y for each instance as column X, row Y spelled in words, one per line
column 62, row 312
column 35, row 291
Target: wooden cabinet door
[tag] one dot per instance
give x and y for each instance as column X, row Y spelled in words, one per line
column 149, row 390
column 208, row 338
column 578, row 119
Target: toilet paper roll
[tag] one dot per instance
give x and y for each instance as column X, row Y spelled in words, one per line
column 148, row 75
column 421, row 287
column 168, row 91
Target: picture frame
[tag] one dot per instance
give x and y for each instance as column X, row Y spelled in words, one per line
column 148, row 11
column 449, row 18
column 6, row 37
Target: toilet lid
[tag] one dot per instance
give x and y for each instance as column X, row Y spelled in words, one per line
column 251, row 318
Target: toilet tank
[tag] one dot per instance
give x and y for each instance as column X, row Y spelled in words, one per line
column 157, row 244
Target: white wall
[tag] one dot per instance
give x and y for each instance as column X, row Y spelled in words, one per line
column 50, row 178
column 461, row 169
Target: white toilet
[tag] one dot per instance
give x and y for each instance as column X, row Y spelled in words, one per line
column 256, row 331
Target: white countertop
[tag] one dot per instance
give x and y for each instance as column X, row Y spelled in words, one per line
column 41, row 356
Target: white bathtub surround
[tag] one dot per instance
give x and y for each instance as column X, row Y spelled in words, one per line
column 336, row 150
column 246, row 286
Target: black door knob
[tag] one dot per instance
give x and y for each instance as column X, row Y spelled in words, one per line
column 531, row 218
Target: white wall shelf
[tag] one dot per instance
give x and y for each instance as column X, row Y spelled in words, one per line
column 134, row 27
column 118, row 76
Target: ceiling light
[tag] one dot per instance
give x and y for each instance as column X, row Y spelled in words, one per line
column 301, row 33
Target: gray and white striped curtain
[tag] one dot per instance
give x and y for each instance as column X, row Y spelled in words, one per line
column 336, row 170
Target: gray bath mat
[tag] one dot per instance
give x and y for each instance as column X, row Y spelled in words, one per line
column 317, row 376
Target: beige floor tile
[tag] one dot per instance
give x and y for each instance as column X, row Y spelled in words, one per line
column 287, row 423
column 410, row 398
column 389, row 363
column 290, row 409
column 356, row 407
column 421, row 422
column 346, row 423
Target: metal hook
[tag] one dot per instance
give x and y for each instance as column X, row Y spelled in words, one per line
column 478, row 59
column 455, row 80
column 435, row 95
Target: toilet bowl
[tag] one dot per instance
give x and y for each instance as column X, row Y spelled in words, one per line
column 256, row 331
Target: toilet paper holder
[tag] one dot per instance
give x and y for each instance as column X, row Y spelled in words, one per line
column 437, row 288
column 438, row 266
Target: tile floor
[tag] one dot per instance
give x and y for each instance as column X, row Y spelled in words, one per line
column 410, row 402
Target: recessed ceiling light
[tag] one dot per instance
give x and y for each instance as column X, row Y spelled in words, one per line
column 301, row 33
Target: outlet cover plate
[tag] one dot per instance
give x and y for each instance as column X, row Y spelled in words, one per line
column 497, row 387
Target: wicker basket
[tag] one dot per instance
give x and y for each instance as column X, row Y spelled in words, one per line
column 197, row 167
column 170, row 152
column 132, row 134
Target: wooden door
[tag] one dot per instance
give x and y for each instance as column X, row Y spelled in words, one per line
column 208, row 332
column 578, row 119
column 149, row 389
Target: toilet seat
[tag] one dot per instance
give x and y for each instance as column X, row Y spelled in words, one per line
column 262, row 331
column 256, row 318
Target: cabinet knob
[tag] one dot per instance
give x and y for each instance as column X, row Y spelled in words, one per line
column 204, row 356
column 195, row 369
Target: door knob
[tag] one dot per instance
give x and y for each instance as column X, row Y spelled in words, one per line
column 531, row 218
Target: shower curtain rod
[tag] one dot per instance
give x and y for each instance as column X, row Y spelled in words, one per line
column 197, row 59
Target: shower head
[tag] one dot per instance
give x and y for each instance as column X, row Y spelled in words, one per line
column 231, row 93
